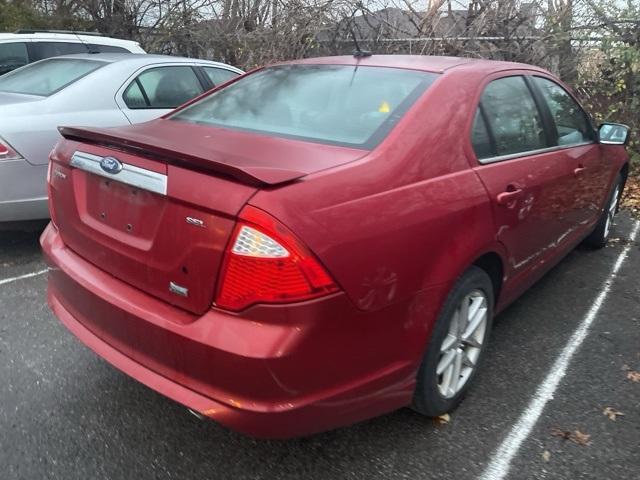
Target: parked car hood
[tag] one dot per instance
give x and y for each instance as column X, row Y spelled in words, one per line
column 248, row 157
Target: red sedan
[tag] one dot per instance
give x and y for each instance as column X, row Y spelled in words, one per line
column 322, row 241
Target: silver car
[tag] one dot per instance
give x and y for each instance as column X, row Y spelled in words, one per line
column 98, row 90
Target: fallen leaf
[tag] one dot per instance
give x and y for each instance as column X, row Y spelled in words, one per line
column 443, row 419
column 634, row 376
column 631, row 197
column 546, row 455
column 612, row 413
column 580, row 438
column 576, row 436
column 556, row 432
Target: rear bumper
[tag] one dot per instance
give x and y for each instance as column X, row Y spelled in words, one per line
column 24, row 210
column 23, row 191
column 273, row 372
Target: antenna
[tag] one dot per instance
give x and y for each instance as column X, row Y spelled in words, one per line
column 358, row 52
column 87, row 46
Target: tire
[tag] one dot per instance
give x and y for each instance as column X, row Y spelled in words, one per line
column 600, row 235
column 433, row 395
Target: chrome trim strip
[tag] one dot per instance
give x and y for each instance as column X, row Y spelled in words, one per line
column 130, row 175
column 528, row 153
column 610, row 142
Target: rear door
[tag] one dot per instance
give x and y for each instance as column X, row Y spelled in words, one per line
column 578, row 149
column 529, row 183
column 156, row 90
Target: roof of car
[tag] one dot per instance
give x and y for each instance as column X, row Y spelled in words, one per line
column 437, row 64
column 72, row 37
column 142, row 59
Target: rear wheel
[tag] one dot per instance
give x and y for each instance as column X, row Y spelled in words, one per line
column 598, row 238
column 456, row 346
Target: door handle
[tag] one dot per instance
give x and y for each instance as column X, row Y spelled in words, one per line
column 578, row 170
column 509, row 196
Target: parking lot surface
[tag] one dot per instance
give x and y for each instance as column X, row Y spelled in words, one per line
column 65, row 413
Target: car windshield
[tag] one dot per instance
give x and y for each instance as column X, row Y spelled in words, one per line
column 345, row 105
column 48, row 76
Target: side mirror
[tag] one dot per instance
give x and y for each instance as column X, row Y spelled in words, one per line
column 613, row 134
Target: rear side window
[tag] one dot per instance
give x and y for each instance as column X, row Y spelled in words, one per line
column 12, row 56
column 94, row 47
column 42, row 50
column 47, row 77
column 134, row 97
column 219, row 75
column 162, row 87
column 336, row 104
column 571, row 122
column 513, row 117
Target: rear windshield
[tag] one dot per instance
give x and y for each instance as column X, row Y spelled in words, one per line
column 48, row 76
column 344, row 105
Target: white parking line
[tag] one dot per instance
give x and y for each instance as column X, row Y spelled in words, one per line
column 22, row 277
column 500, row 463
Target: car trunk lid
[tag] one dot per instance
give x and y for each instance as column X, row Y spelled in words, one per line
column 250, row 158
column 162, row 222
column 10, row 98
column 161, row 228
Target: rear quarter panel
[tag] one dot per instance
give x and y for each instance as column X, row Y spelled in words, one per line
column 35, row 135
column 32, row 127
column 409, row 216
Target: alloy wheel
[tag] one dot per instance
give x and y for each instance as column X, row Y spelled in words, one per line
column 463, row 343
column 611, row 212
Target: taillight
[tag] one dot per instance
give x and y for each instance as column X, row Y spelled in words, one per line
column 266, row 263
column 7, row 152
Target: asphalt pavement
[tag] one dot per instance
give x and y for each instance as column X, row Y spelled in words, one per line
column 66, row 414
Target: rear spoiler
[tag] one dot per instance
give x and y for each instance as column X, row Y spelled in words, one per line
column 136, row 144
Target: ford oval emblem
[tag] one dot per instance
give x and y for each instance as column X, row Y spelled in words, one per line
column 111, row 165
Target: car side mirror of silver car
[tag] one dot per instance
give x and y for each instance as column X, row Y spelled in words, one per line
column 613, row 134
